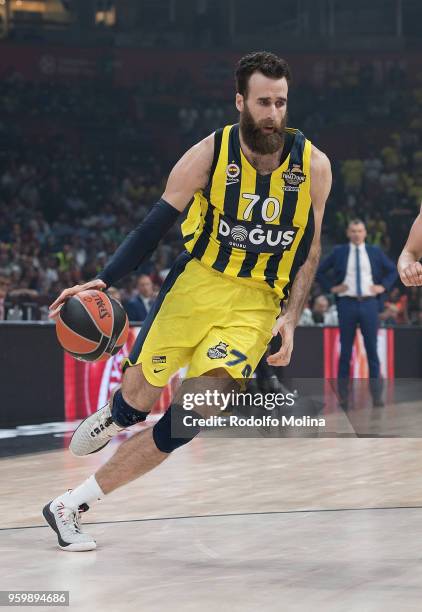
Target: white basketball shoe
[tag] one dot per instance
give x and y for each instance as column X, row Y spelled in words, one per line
column 65, row 521
column 94, row 432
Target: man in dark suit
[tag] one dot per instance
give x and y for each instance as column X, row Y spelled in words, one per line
column 359, row 275
column 139, row 306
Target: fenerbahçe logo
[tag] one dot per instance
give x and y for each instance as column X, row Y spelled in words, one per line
column 232, row 173
column 293, row 178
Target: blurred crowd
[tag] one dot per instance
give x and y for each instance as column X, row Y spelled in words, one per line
column 81, row 165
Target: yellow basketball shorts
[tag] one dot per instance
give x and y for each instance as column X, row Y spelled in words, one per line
column 204, row 320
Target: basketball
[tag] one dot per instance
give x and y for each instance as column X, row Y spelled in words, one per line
column 92, row 326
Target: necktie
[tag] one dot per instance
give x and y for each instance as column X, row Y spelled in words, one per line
column 358, row 276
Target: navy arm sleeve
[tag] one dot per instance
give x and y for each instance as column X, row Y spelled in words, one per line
column 140, row 243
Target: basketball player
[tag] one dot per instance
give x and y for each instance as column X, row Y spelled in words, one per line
column 252, row 237
column 409, row 266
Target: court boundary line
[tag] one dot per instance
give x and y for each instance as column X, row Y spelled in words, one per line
column 228, row 514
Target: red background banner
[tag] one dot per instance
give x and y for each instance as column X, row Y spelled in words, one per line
column 87, row 385
column 359, row 365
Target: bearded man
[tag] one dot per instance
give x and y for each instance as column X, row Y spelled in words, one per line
column 256, row 193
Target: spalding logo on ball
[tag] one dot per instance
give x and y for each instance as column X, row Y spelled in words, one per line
column 92, row 326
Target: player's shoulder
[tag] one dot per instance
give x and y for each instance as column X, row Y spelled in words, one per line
column 207, row 149
column 320, row 162
column 205, row 146
column 208, row 143
column 203, row 151
column 197, row 159
column 321, row 178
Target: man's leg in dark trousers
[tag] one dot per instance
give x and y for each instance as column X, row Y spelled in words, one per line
column 348, row 316
column 369, row 324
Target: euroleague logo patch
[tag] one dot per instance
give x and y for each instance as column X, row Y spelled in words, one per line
column 293, row 178
column 232, row 173
column 219, row 351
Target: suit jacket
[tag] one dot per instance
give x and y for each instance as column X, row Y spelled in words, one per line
column 135, row 309
column 332, row 269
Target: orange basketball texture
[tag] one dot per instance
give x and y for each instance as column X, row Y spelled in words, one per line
column 91, row 326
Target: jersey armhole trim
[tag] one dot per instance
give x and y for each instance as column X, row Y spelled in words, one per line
column 218, row 135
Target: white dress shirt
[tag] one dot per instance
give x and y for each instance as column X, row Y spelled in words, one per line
column 147, row 302
column 366, row 280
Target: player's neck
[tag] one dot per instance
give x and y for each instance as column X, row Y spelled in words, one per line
column 263, row 164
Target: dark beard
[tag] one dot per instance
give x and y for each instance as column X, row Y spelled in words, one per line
column 256, row 140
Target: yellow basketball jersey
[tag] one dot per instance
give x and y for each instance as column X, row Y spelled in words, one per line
column 251, row 226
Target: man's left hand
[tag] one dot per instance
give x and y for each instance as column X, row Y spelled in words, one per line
column 377, row 289
column 285, row 327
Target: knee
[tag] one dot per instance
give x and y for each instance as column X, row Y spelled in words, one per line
column 172, row 431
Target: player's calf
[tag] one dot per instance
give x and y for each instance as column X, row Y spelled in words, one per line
column 172, row 431
column 179, row 425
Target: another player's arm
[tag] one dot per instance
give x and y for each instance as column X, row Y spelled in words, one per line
column 320, row 188
column 190, row 174
column 408, row 266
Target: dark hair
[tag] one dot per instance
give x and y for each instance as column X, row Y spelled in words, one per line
column 267, row 63
column 356, row 221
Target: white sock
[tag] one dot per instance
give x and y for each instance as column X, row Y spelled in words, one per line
column 88, row 492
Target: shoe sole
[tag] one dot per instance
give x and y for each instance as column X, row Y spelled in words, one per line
column 84, row 454
column 81, row 547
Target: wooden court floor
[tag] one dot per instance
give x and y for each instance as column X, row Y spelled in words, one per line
column 229, row 524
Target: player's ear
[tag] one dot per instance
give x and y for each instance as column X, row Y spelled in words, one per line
column 239, row 102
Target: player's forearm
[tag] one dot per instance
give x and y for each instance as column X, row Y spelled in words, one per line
column 302, row 286
column 140, row 243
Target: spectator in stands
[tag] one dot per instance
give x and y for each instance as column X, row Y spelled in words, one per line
column 48, row 178
column 372, row 167
column 377, row 231
column 395, row 308
column 139, row 306
column 4, row 286
column 319, row 313
column 414, row 305
column 114, row 293
column 322, row 312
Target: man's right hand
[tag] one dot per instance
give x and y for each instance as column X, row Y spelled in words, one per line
column 67, row 293
column 339, row 288
column 411, row 274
